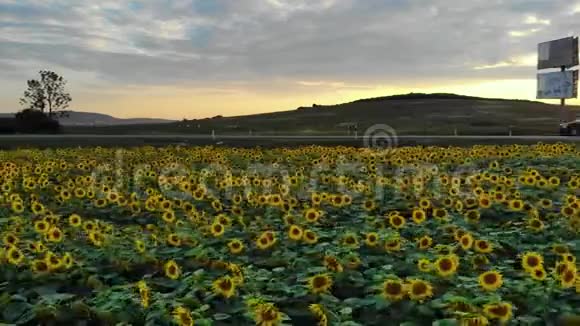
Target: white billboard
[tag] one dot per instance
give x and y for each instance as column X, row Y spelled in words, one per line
column 558, row 53
column 558, row 85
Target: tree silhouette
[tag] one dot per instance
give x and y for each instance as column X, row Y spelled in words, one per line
column 47, row 95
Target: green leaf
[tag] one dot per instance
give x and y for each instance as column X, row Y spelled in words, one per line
column 445, row 322
column 346, row 311
column 57, row 297
column 15, row 311
column 221, row 316
column 203, row 322
column 18, row 297
column 203, row 308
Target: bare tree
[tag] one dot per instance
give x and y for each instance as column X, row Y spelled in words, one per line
column 48, row 95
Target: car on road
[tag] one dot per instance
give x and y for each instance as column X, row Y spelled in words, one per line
column 571, row 128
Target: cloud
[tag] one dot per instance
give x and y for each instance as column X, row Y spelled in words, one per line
column 524, row 33
column 533, row 20
column 279, row 43
column 529, row 60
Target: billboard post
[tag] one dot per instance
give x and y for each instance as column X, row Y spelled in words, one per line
column 563, row 100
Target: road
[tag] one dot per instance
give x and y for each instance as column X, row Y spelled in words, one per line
column 68, row 140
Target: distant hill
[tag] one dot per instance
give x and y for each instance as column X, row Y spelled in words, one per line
column 408, row 114
column 433, row 96
column 76, row 118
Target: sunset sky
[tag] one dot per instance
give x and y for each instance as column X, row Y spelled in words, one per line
column 200, row 58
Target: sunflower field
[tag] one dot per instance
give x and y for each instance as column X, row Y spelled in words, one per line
column 313, row 235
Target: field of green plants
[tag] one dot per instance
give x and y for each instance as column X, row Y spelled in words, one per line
column 314, row 235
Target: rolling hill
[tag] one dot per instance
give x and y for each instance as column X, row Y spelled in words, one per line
column 409, row 114
column 87, row 119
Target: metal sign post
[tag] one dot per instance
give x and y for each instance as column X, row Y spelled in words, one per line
column 563, row 113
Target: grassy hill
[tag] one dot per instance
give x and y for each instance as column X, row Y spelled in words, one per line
column 410, row 114
column 90, row 119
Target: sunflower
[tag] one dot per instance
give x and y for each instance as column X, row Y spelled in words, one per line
column 289, row 219
column 68, row 260
column 569, row 258
column 516, row 205
column 263, row 242
column 538, row 273
column 335, row 200
column 499, row 310
column 17, row 207
column 309, row 237
column 397, row 221
column 100, row 203
column 554, row 181
column 224, row 286
column 39, row 266
column 295, row 232
column 217, row 229
column 372, row 239
column 473, row 320
column 447, row 265
column 311, row 215
column 569, row 276
column 14, row 255
column 172, row 270
column 424, row 265
column 319, row 283
column 235, row 246
column 560, row 249
column 10, row 239
column 490, row 280
column 466, row 241
column 79, row 193
column 483, row 246
column 41, row 226
column 223, row 220
column 440, row 213
column 393, row 245
column 143, row 293
column 353, row 261
column 89, row 226
column 424, row 203
column 419, row 290
column 173, row 240
column 168, row 216
column 54, row 234
column 568, row 211
column 419, row 216
column 393, row 289
column 350, row 240
column 139, row 246
column 217, row 205
column 369, row 205
column 425, row 242
column 531, row 261
column 96, row 238
column 52, row 261
column 37, row 208
column 472, row 215
column 318, row 311
column 39, row 247
column 332, row 264
column 266, row 314
column 535, row 224
column 182, row 316
column 484, row 201
column 74, row 220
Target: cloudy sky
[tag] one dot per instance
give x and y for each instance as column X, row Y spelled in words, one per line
column 200, row 58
